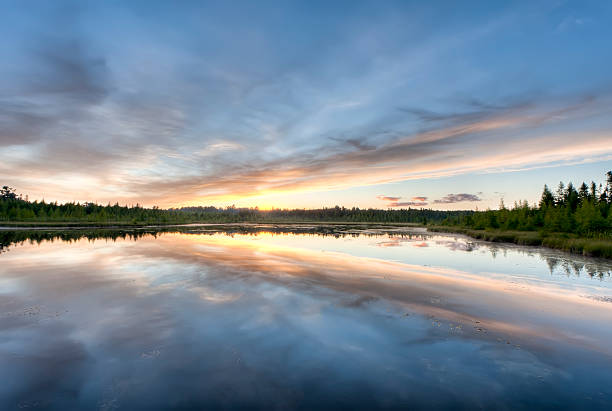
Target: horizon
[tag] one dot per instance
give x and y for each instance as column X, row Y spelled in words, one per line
column 396, row 204
column 292, row 106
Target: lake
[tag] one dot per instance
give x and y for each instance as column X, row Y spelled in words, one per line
column 299, row 317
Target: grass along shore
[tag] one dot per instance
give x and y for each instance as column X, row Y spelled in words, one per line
column 593, row 247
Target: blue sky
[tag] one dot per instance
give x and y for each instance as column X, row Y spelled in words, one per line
column 304, row 104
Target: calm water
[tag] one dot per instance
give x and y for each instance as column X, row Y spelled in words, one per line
column 360, row 319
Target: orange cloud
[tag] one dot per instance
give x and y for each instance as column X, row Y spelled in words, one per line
column 450, row 149
column 386, row 198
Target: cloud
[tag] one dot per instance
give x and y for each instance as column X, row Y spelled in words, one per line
column 386, row 198
column 357, row 143
column 153, row 171
column 52, row 95
column 186, row 121
column 65, row 68
column 407, row 204
column 571, row 22
column 442, row 151
column 394, row 201
column 457, row 198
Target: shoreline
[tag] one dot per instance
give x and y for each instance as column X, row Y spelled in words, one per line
column 591, row 247
column 86, row 225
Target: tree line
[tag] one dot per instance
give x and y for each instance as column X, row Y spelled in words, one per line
column 14, row 208
column 327, row 214
column 585, row 211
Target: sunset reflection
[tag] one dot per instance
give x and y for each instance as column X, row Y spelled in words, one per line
column 265, row 309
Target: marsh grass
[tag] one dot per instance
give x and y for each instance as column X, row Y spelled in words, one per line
column 594, row 247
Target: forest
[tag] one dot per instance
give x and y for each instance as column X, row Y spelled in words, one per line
column 573, row 219
column 14, row 208
column 585, row 210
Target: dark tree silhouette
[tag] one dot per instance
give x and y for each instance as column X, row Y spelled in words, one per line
column 7, row 193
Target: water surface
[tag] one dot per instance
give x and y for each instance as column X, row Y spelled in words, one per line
column 287, row 318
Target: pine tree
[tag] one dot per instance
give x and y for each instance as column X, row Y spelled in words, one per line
column 547, row 199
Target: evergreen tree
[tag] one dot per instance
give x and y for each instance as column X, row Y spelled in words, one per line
column 547, row 199
column 560, row 196
column 583, row 192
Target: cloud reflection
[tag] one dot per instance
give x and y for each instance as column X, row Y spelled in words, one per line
column 245, row 319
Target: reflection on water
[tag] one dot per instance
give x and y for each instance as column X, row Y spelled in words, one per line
column 298, row 317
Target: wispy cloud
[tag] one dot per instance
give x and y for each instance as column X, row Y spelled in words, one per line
column 457, row 198
column 395, row 203
column 452, row 150
column 386, row 198
column 407, row 204
column 358, row 103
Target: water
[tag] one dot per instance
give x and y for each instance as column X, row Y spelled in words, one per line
column 247, row 318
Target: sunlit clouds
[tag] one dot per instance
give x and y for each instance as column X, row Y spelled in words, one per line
column 395, row 201
column 215, row 105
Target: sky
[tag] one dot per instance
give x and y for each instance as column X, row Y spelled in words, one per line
column 444, row 105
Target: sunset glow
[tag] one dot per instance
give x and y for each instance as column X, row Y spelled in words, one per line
column 190, row 105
